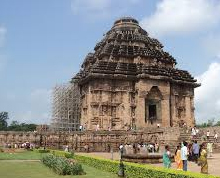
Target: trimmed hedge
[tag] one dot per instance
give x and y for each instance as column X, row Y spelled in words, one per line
column 42, row 150
column 134, row 170
column 56, row 152
column 62, row 153
column 62, row 166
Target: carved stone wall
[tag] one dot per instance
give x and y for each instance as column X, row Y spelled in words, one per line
column 182, row 105
column 95, row 140
column 109, row 104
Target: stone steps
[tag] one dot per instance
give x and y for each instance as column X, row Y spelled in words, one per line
column 200, row 139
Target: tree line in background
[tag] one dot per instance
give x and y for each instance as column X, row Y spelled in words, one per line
column 209, row 123
column 15, row 125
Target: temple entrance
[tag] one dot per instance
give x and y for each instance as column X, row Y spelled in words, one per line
column 153, row 106
column 152, row 110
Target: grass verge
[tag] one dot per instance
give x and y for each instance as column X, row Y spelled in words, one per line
column 38, row 170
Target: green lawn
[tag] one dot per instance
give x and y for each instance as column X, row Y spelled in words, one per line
column 12, row 166
column 26, row 155
column 15, row 169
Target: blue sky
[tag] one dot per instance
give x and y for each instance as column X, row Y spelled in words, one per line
column 43, row 43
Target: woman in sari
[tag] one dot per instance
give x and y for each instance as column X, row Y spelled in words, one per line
column 203, row 159
column 178, row 160
column 166, row 157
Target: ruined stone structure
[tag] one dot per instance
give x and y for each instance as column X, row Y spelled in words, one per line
column 102, row 141
column 65, row 108
column 131, row 82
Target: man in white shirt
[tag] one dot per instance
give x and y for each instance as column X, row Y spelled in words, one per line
column 193, row 132
column 80, row 128
column 121, row 150
column 184, row 155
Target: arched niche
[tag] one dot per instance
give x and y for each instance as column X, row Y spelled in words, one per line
column 153, row 106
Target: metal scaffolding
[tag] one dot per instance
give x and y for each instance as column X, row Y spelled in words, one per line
column 66, row 107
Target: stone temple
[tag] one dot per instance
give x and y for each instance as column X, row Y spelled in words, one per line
column 130, row 82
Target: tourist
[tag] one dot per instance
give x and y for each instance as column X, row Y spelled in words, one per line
column 135, row 148
column 209, row 149
column 193, row 133
column 86, row 148
column 195, row 150
column 150, row 147
column 185, row 128
column 97, row 127
column 197, row 130
column 80, row 128
column 215, row 136
column 66, row 148
column 158, row 125
column 203, row 159
column 190, row 151
column 166, row 157
column 121, row 150
column 184, row 155
column 207, row 134
column 178, row 159
column 156, row 147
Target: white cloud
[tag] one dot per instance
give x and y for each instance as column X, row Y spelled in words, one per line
column 100, row 9
column 182, row 16
column 3, row 32
column 207, row 97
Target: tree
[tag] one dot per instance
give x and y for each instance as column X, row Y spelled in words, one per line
column 211, row 122
column 217, row 123
column 3, row 120
column 16, row 126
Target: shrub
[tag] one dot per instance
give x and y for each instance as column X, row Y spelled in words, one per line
column 134, row 170
column 62, row 166
column 62, row 153
column 1, row 150
column 42, row 150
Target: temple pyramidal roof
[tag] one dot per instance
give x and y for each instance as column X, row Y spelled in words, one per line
column 127, row 51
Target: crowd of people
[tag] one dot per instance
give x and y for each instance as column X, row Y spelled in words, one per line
column 195, row 132
column 26, row 145
column 139, row 148
column 189, row 152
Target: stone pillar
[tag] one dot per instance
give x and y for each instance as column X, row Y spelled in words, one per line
column 173, row 111
column 165, row 112
column 188, row 117
column 140, row 111
column 89, row 115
